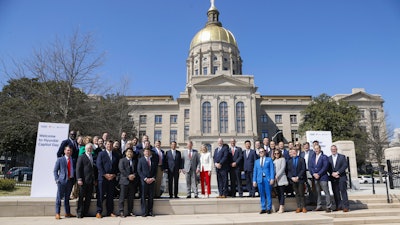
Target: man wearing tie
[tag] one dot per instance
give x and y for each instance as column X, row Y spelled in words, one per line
column 236, row 167
column 297, row 176
column 86, row 180
column 318, row 167
column 263, row 177
column 191, row 167
column 127, row 180
column 221, row 163
column 338, row 178
column 147, row 170
column 307, row 154
column 158, row 154
column 266, row 147
column 249, row 157
column 173, row 166
column 64, row 177
column 107, row 165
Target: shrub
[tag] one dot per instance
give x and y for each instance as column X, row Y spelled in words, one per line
column 7, row 184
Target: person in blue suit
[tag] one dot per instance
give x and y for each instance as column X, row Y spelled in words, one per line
column 318, row 167
column 64, row 177
column 222, row 164
column 263, row 177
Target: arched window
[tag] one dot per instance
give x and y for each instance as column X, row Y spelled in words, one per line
column 206, row 117
column 240, row 117
column 223, row 117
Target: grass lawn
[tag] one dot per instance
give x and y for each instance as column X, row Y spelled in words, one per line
column 18, row 191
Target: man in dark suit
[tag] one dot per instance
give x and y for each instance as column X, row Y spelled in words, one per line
column 236, row 167
column 107, row 165
column 128, row 177
column 221, row 162
column 249, row 157
column 307, row 154
column 296, row 167
column 71, row 142
column 86, row 179
column 64, row 177
column 173, row 166
column 142, row 145
column 147, row 170
column 318, row 167
column 266, row 147
column 338, row 178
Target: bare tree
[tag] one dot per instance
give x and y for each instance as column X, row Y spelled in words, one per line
column 65, row 65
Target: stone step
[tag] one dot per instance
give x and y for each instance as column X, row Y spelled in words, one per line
column 367, row 220
column 366, row 213
column 375, row 206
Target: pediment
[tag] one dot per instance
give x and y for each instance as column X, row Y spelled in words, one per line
column 223, row 81
column 362, row 96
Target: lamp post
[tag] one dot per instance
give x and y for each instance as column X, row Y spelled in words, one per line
column 278, row 132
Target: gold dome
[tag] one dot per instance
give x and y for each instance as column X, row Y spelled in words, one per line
column 213, row 33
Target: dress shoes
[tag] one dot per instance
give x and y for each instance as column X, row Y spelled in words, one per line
column 304, row 210
column 346, row 210
column 223, row 196
column 176, row 197
column 263, row 211
column 99, row 216
column 69, row 215
column 188, row 196
column 298, row 210
column 58, row 216
column 171, row 197
column 317, row 209
column 121, row 214
column 268, row 211
column 132, row 214
column 113, row 215
column 144, row 215
column 151, row 214
column 328, row 210
column 196, row 196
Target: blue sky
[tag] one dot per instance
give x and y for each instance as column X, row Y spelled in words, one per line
column 292, row 47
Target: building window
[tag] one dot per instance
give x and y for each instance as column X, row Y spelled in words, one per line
column 375, row 132
column 295, row 135
column 374, row 114
column 363, row 129
column 293, row 119
column 186, row 133
column 196, row 72
column 142, row 119
column 264, row 134
column 234, row 72
column 264, row 118
column 173, row 119
column 186, row 113
column 131, row 119
column 240, row 118
column 225, row 60
column 204, row 70
column 278, row 118
column 208, row 146
column 141, row 134
column 215, row 58
column 225, row 68
column 206, row 117
column 157, row 135
column 223, row 117
column 173, row 135
column 215, row 69
column 362, row 113
column 158, row 119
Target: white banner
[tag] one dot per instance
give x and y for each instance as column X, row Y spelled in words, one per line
column 49, row 138
column 323, row 137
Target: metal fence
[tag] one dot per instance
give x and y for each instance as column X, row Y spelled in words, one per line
column 393, row 172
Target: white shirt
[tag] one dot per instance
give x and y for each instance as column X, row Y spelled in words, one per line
column 334, row 158
column 306, row 155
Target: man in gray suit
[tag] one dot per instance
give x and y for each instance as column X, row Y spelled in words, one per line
column 191, row 162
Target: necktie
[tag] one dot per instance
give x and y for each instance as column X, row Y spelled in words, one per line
column 148, row 161
column 262, row 161
column 91, row 159
column 130, row 166
column 247, row 153
column 173, row 154
column 69, row 167
column 190, row 154
column 110, row 155
column 159, row 157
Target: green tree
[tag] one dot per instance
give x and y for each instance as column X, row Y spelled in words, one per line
column 342, row 119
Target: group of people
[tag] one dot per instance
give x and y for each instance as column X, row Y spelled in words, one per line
column 98, row 165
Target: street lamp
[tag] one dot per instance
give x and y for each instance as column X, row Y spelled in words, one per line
column 279, row 131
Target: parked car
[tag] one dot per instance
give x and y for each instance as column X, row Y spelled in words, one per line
column 18, row 173
column 365, row 179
